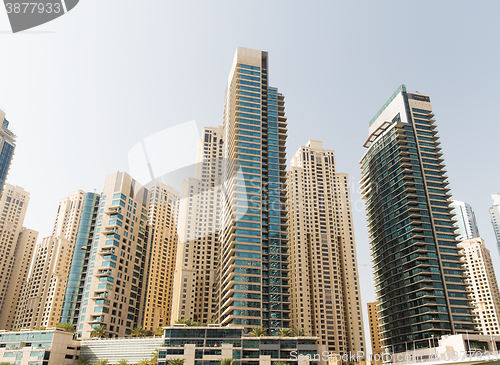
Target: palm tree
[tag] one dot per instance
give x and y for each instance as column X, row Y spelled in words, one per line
column 99, row 331
column 188, row 322
column 68, row 327
column 39, row 328
column 226, row 361
column 83, row 360
column 299, row 331
column 280, row 363
column 138, row 332
column 154, row 358
column 257, row 332
column 102, row 362
column 285, row 332
column 143, row 362
column 159, row 331
column 123, row 362
column 175, row 362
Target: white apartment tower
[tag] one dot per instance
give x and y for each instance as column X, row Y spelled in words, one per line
column 68, row 216
column 465, row 221
column 325, row 292
column 115, row 288
column 194, row 288
column 495, row 217
column 16, row 249
column 483, row 285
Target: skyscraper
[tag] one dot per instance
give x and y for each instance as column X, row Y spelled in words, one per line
column 252, row 273
column 374, row 320
column 73, row 297
column 465, row 221
column 68, row 216
column 418, row 275
column 115, row 286
column 483, row 285
column 16, row 249
column 495, row 218
column 325, row 292
column 42, row 295
column 194, row 287
column 162, row 218
column 7, row 146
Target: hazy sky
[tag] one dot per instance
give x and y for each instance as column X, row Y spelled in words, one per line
column 82, row 90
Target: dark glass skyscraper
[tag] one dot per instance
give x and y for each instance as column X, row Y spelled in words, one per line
column 418, row 276
column 7, row 146
column 253, row 286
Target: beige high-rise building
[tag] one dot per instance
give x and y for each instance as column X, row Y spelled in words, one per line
column 42, row 295
column 162, row 218
column 194, row 289
column 23, row 255
column 482, row 284
column 374, row 319
column 325, row 293
column 68, row 216
column 116, row 282
column 14, row 250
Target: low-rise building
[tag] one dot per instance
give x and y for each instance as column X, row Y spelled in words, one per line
column 52, row 346
column 207, row 345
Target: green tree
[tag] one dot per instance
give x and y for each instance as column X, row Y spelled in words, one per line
column 226, row 361
column 188, row 322
column 285, row 332
column 99, row 332
column 102, row 362
column 175, row 362
column 68, row 327
column 123, row 362
column 280, row 363
column 299, row 331
column 39, row 328
column 83, row 360
column 154, row 358
column 138, row 332
column 159, row 331
column 143, row 362
column 257, row 332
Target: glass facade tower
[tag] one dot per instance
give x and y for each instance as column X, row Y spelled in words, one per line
column 418, row 275
column 79, row 264
column 252, row 274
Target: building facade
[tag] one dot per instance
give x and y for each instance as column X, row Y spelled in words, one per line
column 115, row 286
column 46, row 347
column 495, row 218
column 374, row 320
column 483, row 285
column 465, row 221
column 419, row 280
column 68, row 216
column 42, row 295
column 80, row 261
column 16, row 249
column 7, row 147
column 162, row 218
column 195, row 287
column 325, row 293
column 252, row 273
column 208, row 345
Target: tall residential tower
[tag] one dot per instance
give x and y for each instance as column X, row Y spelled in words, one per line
column 16, row 249
column 418, row 275
column 7, row 147
column 253, row 286
column 465, row 221
column 325, row 292
column 483, row 285
column 194, row 286
column 495, row 218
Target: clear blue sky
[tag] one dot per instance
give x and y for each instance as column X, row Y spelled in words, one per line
column 81, row 91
